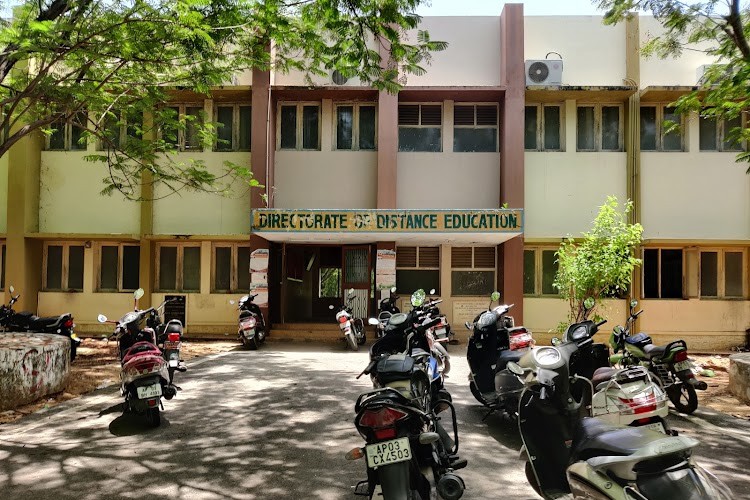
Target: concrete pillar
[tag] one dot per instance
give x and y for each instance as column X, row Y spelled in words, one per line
column 147, row 254
column 512, row 72
column 387, row 149
column 633, row 134
column 263, row 139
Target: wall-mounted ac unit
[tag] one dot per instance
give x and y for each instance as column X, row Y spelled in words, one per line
column 544, row 72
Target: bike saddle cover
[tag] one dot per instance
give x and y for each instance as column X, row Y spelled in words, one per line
column 603, row 375
column 654, row 351
column 140, row 349
column 397, row 367
column 36, row 322
column 508, row 355
column 595, row 437
column 640, row 340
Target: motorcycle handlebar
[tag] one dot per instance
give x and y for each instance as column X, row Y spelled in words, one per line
column 601, row 323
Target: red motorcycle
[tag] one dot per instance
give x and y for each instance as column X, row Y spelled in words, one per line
column 145, row 376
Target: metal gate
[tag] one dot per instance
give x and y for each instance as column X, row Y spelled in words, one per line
column 357, row 274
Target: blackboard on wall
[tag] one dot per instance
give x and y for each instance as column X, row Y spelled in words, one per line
column 175, row 308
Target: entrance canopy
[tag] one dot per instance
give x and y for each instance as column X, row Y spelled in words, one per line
column 490, row 226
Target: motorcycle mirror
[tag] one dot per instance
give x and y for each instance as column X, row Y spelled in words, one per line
column 633, row 303
column 432, row 291
column 330, row 307
column 12, row 290
column 495, row 296
column 468, row 325
column 373, row 322
column 393, row 289
column 244, row 298
column 515, row 368
column 351, row 290
column 101, row 318
column 231, row 301
column 138, row 293
column 556, row 341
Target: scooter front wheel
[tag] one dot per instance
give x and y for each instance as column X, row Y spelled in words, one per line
column 684, row 398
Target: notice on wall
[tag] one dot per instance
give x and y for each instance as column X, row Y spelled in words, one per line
column 385, row 269
column 467, row 309
column 490, row 220
column 175, row 308
column 259, row 276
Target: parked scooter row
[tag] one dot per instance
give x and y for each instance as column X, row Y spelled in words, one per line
column 25, row 321
column 149, row 356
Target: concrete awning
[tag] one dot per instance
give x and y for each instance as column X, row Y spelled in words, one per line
column 429, row 227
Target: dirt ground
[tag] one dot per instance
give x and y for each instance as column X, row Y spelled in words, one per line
column 96, row 366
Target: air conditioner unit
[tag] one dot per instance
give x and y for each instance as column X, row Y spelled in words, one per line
column 337, row 78
column 544, row 72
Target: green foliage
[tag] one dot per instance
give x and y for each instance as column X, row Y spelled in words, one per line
column 719, row 29
column 104, row 65
column 601, row 263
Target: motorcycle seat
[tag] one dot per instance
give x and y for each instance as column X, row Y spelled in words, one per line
column 140, row 349
column 396, row 367
column 173, row 327
column 37, row 322
column 508, row 355
column 640, row 340
column 595, row 438
column 603, row 375
column 654, row 351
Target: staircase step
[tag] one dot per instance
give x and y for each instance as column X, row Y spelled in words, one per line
column 309, row 332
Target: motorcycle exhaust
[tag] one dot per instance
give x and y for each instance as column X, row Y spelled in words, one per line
column 450, row 486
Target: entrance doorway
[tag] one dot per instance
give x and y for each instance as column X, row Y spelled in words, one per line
column 316, row 277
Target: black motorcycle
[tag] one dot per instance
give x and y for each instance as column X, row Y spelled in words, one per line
column 566, row 451
column 25, row 321
column 494, row 341
column 387, row 308
column 399, row 419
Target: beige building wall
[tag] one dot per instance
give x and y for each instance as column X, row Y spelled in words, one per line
column 4, row 194
column 70, row 199
column 327, row 178
column 671, row 71
column 543, row 314
column 592, row 53
column 189, row 212
column 694, row 195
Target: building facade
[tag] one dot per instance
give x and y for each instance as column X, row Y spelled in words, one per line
column 465, row 182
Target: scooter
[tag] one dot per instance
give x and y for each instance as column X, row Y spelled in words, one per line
column 568, row 452
column 144, row 374
column 387, row 309
column 494, row 341
column 407, row 449
column 669, row 363
column 352, row 328
column 251, row 331
column 25, row 321
column 168, row 339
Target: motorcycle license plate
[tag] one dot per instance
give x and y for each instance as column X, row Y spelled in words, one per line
column 440, row 332
column 172, row 345
column 681, row 366
column 656, row 426
column 388, row 452
column 149, row 391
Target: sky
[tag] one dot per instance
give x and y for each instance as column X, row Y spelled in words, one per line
column 495, row 7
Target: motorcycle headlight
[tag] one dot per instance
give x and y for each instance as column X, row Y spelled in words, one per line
column 547, row 357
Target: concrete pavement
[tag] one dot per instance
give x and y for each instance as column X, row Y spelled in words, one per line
column 271, row 424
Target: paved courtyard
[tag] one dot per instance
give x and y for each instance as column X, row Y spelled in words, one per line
column 273, row 424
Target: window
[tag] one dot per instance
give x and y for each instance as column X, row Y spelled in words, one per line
column 355, row 127
column 599, row 128
column 718, row 135
column 2, row 264
column 475, row 128
column 63, row 266
column 179, row 267
column 543, row 127
column 119, row 127
column 539, row 271
column 662, row 273
column 119, row 267
column 329, row 283
column 654, row 136
column 234, row 127
column 420, row 127
column 417, row 267
column 473, row 270
column 722, row 273
column 185, row 136
column 299, row 126
column 231, row 267
column 68, row 135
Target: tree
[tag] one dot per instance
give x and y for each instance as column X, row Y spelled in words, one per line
column 99, row 67
column 601, row 263
column 720, row 29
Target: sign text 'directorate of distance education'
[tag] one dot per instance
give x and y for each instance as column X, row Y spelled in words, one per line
column 380, row 221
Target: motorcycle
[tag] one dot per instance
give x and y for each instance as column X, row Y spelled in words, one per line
column 441, row 332
column 168, row 339
column 387, row 309
column 669, row 363
column 568, row 452
column 352, row 328
column 494, row 341
column 25, row 321
column 251, row 331
column 144, row 374
column 398, row 419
